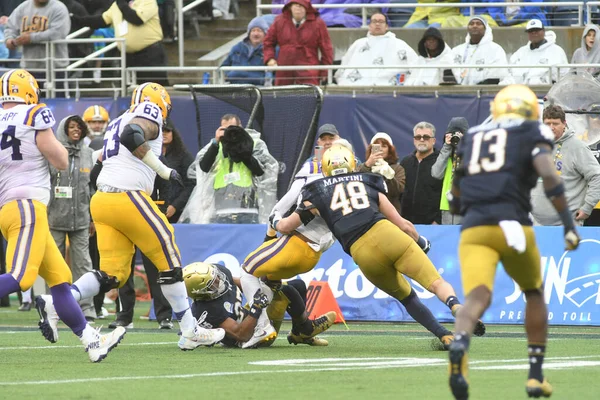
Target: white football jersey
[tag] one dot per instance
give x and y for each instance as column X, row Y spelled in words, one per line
column 24, row 172
column 120, row 168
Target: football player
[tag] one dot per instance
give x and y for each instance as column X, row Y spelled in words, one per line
column 26, row 147
column 381, row 242
column 97, row 119
column 502, row 161
column 125, row 215
column 218, row 303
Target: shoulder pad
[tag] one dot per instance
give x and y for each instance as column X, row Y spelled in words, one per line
column 39, row 117
column 149, row 111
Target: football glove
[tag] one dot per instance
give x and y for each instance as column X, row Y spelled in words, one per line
column 274, row 218
column 175, row 177
column 572, row 239
column 424, row 244
column 260, row 301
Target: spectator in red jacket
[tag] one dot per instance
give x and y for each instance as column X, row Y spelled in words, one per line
column 300, row 33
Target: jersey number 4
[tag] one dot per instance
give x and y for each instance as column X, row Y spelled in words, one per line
column 10, row 141
column 495, row 142
column 349, row 197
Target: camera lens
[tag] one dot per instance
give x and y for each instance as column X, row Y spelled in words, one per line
column 454, row 140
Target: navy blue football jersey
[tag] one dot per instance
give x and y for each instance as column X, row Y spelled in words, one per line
column 498, row 173
column 213, row 313
column 349, row 204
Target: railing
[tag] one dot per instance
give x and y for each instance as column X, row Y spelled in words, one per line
column 472, row 6
column 180, row 11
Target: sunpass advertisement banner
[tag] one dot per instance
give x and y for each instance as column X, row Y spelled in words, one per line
column 571, row 279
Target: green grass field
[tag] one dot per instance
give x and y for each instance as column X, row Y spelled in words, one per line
column 368, row 361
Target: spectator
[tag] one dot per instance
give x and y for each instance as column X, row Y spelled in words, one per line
column 541, row 49
column 166, row 11
column 236, row 180
column 432, row 51
column 446, row 164
column 380, row 47
column 578, row 168
column 385, row 162
column 421, row 198
column 424, row 17
column 248, row 52
column 138, row 23
column 69, row 209
column 300, row 34
column 30, row 25
column 4, row 52
column 589, row 52
column 479, row 48
column 498, row 16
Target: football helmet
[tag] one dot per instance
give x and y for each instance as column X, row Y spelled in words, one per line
column 153, row 93
column 97, row 119
column 338, row 160
column 515, row 101
column 19, row 86
column 204, row 281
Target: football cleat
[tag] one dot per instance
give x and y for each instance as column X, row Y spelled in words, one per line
column 447, row 340
column 263, row 337
column 458, row 371
column 202, row 337
column 48, row 317
column 538, row 389
column 479, row 326
column 98, row 346
column 313, row 341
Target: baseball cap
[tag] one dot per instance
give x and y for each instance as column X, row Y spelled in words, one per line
column 534, row 24
column 327, row 129
column 384, row 136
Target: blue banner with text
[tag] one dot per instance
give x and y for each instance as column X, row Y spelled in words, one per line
column 571, row 279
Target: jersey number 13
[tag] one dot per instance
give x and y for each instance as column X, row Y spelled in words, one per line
column 494, row 153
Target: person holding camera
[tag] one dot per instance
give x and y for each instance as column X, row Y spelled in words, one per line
column 446, row 163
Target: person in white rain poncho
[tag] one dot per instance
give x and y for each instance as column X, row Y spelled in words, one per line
column 540, row 49
column 380, row 47
column 432, row 51
column 479, row 49
column 239, row 186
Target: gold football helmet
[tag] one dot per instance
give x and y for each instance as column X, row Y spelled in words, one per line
column 204, row 281
column 153, row 93
column 97, row 119
column 515, row 101
column 19, row 86
column 338, row 160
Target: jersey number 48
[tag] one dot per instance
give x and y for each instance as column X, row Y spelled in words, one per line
column 349, row 197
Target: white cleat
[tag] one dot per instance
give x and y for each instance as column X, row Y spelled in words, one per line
column 98, row 346
column 48, row 317
column 201, row 337
column 262, row 337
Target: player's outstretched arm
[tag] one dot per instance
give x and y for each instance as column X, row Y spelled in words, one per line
column 390, row 212
column 555, row 191
column 305, row 213
column 52, row 149
column 135, row 136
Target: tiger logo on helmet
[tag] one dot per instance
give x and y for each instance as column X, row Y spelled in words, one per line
column 515, row 101
column 204, row 282
column 153, row 93
column 337, row 160
column 97, row 119
column 19, row 86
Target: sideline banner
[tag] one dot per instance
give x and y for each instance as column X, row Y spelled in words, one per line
column 571, row 279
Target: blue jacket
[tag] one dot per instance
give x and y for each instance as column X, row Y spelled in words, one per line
column 3, row 48
column 242, row 54
column 498, row 13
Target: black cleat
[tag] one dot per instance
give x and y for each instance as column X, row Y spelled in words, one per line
column 458, row 371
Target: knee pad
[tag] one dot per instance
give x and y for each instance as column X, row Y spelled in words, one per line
column 107, row 283
column 170, row 277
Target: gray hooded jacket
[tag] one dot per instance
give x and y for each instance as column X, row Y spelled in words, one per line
column 71, row 214
column 584, row 56
column 581, row 176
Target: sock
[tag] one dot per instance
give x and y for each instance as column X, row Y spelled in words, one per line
column 536, row 359
column 86, row 287
column 462, row 338
column 452, row 301
column 26, row 296
column 8, row 285
column 423, row 315
column 176, row 295
column 297, row 310
column 67, row 308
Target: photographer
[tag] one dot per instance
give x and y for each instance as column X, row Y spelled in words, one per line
column 447, row 163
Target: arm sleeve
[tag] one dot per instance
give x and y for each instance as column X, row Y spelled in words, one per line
column 254, row 166
column 60, row 25
column 438, row 168
column 290, row 198
column 588, row 166
column 399, row 180
column 363, row 168
column 184, row 195
column 325, row 45
column 11, row 30
column 129, row 14
column 207, row 161
column 270, row 42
